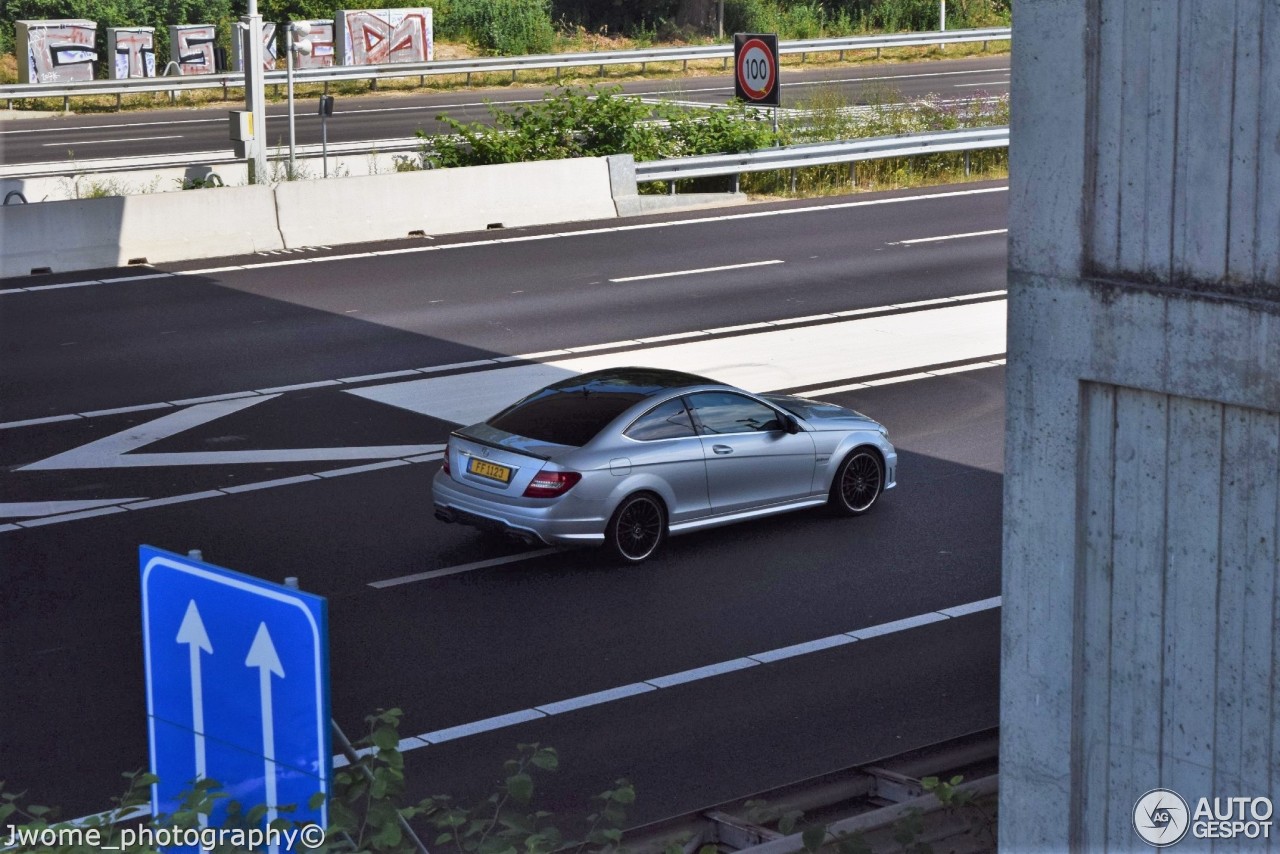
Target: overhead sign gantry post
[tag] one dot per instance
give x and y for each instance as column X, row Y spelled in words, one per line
column 255, row 93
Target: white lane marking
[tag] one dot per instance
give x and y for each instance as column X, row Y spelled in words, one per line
column 32, row 422
column 175, row 499
column 108, row 127
column 526, row 238
column 478, row 727
column 526, row 357
column 269, row 484
column 686, row 677
column 608, row 696
column 803, row 648
column 940, row 372
column 464, row 567
column 899, row 625
column 115, row 451
column 53, row 508
column 805, row 361
column 694, row 272
column 71, row 142
column 614, row 229
column 971, row 607
column 194, row 496
column 949, row 237
column 699, row 673
column 386, row 464
column 777, row 358
column 990, row 83
column 121, row 410
column 67, row 517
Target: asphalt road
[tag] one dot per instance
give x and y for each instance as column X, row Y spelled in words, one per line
column 422, row 332
column 394, row 115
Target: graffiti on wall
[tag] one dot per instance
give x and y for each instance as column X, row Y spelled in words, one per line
column 383, row 36
column 322, row 53
column 56, row 51
column 191, row 46
column 269, row 50
column 133, row 51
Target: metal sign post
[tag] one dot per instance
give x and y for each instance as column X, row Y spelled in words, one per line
column 302, row 45
column 255, row 93
column 326, row 110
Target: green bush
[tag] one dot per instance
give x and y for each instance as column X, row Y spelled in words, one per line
column 596, row 122
column 503, row 27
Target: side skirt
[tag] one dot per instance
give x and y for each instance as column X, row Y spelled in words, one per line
column 743, row 515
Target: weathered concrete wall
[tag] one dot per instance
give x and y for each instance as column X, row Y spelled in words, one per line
column 1142, row 506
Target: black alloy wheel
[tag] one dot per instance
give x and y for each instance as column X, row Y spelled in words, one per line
column 637, row 528
column 858, row 483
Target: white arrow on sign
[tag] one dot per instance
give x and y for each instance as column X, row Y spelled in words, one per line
column 114, row 451
column 262, row 655
column 192, row 633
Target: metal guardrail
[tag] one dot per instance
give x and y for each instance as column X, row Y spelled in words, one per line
column 702, row 166
column 107, row 165
column 822, row 154
column 558, row 62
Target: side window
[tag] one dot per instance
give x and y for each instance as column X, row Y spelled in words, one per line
column 668, row 420
column 721, row 412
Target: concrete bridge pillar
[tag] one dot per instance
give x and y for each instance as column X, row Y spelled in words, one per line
column 1142, row 472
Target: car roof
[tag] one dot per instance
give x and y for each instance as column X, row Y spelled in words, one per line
column 637, row 381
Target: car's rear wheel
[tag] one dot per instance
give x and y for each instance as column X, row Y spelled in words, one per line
column 858, row 483
column 637, row 528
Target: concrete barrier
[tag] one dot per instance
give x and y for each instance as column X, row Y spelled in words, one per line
column 443, row 201
column 87, row 234
column 111, row 232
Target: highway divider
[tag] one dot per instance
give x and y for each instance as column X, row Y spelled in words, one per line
column 443, row 201
column 116, row 231
column 86, row 234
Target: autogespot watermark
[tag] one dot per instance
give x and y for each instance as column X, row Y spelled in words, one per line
column 131, row 838
column 1162, row 818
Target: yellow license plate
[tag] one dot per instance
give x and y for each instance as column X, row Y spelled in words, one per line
column 493, row 471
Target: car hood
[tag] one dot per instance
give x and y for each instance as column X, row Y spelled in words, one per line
column 821, row 415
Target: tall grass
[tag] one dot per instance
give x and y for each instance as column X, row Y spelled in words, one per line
column 827, row 115
column 818, row 18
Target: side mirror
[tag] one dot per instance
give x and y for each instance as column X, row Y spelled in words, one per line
column 793, row 426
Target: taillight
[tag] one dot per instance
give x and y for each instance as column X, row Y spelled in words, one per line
column 444, row 461
column 549, row 484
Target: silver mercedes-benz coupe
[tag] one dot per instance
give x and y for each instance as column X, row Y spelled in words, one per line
column 623, row 457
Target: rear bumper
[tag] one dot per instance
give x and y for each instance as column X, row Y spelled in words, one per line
column 560, row 522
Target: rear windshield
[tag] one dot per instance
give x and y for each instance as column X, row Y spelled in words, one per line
column 566, row 416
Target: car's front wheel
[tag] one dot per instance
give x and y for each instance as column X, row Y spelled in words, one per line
column 637, row 528
column 858, row 483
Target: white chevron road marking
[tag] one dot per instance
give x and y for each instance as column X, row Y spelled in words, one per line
column 115, row 451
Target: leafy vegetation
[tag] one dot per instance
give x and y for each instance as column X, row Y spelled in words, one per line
column 367, row 811
column 596, row 122
column 600, row 121
column 502, row 27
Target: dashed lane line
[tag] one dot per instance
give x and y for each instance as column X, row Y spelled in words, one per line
column 587, row 232
column 686, row 677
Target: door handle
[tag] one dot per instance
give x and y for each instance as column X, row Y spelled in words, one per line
column 722, row 449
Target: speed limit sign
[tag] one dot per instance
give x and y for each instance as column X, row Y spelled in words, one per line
column 755, row 63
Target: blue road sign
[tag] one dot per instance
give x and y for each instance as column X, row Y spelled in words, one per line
column 237, row 674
